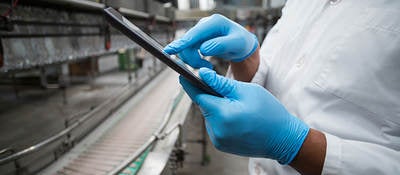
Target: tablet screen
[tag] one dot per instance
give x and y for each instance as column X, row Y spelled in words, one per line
column 152, row 46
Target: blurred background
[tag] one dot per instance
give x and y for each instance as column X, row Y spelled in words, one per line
column 78, row 97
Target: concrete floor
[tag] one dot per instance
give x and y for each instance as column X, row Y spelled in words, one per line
column 220, row 163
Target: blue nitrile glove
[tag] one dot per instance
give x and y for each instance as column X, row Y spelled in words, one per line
column 249, row 121
column 217, row 36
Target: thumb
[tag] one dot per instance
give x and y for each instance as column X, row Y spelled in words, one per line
column 208, row 103
column 224, row 86
column 191, row 56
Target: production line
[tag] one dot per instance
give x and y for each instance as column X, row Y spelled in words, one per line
column 90, row 100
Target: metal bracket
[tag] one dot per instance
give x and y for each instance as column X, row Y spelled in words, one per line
column 176, row 159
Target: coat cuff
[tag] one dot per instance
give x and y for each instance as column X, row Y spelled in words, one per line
column 261, row 75
column 333, row 155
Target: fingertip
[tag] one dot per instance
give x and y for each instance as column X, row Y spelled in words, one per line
column 175, row 46
column 167, row 49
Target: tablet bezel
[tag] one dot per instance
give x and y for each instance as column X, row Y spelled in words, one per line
column 153, row 47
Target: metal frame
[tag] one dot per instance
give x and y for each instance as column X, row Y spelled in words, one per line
column 117, row 100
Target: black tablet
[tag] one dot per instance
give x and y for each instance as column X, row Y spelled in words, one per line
column 134, row 33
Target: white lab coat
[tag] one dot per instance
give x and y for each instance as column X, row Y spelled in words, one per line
column 336, row 65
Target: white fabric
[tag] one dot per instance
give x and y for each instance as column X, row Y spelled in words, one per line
column 336, row 65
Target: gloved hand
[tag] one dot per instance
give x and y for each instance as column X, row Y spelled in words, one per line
column 249, row 121
column 217, row 36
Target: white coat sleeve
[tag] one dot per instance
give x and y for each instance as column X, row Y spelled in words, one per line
column 261, row 74
column 356, row 157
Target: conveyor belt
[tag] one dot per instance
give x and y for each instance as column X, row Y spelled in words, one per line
column 131, row 126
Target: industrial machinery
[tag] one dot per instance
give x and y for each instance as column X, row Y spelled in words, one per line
column 56, row 44
column 78, row 97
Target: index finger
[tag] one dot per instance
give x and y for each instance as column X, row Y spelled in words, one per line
column 207, row 28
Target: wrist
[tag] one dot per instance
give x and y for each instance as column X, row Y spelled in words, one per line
column 310, row 159
column 246, row 69
column 293, row 136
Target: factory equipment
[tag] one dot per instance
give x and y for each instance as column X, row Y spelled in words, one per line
column 67, row 77
column 58, row 42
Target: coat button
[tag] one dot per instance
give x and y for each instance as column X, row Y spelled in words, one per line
column 334, row 2
column 300, row 62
